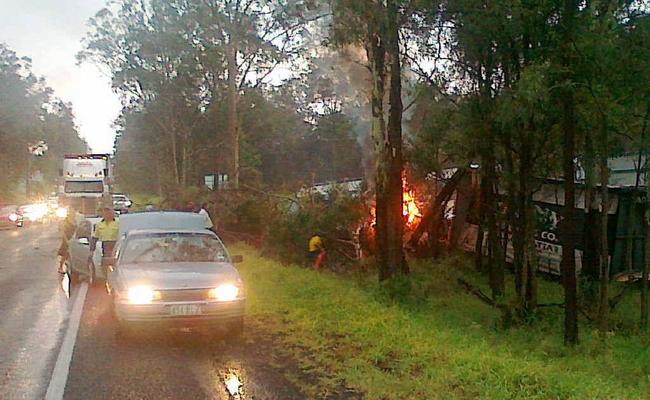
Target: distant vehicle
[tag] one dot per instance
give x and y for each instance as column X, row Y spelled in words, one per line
column 36, row 212
column 86, row 182
column 10, row 217
column 175, row 276
column 121, row 201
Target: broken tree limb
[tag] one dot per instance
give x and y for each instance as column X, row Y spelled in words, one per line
column 433, row 212
column 478, row 293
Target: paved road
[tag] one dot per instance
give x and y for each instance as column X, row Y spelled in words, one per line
column 33, row 311
column 35, row 314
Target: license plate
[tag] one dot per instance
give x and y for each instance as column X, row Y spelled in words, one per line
column 185, row 309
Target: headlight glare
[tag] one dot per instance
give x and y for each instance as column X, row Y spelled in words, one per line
column 141, row 295
column 225, row 292
column 61, row 212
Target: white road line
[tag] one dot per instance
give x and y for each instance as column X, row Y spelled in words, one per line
column 59, row 378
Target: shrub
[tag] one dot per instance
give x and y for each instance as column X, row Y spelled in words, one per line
column 335, row 221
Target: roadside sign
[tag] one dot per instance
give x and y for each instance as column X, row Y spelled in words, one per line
column 209, row 181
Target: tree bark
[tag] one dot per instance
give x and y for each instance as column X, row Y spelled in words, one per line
column 591, row 256
column 395, row 261
column 376, row 51
column 172, row 133
column 463, row 200
column 568, row 264
column 643, row 322
column 646, row 264
column 603, row 297
column 495, row 253
column 233, row 99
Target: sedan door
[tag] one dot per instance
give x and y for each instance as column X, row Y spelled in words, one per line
column 79, row 247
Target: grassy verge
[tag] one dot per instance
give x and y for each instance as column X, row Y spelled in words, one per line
column 435, row 342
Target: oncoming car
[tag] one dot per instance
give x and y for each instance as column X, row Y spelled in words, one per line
column 10, row 217
column 177, row 278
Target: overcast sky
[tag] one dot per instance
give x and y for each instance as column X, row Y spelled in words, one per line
column 49, row 32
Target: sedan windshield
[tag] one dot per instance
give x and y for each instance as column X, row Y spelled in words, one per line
column 173, row 247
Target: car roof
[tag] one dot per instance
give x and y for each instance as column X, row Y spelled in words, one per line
column 136, row 232
column 161, row 220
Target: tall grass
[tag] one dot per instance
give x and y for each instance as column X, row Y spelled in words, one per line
column 433, row 340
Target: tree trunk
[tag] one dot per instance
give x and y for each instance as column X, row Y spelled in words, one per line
column 463, row 200
column 172, row 133
column 233, row 99
column 603, row 297
column 395, row 262
column 517, row 231
column 376, row 58
column 568, row 263
column 495, row 259
column 159, row 176
column 643, row 322
column 591, row 256
column 527, row 217
column 646, row 263
column 184, row 166
column 531, row 269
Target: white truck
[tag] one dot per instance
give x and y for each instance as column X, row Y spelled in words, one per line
column 87, row 181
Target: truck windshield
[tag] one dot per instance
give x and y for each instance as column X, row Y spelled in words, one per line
column 84, row 186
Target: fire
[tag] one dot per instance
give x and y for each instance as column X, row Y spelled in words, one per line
column 410, row 209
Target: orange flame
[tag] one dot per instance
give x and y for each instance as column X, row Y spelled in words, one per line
column 410, row 209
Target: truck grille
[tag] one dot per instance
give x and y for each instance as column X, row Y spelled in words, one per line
column 185, row 295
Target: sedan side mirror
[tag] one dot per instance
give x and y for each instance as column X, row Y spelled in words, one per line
column 83, row 241
column 237, row 259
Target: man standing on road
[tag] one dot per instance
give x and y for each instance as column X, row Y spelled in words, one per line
column 67, row 228
column 106, row 231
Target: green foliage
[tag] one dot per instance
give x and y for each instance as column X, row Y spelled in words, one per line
column 169, row 58
column 441, row 343
column 333, row 220
column 29, row 112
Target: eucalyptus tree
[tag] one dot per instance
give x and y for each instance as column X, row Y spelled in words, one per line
column 29, row 112
column 375, row 27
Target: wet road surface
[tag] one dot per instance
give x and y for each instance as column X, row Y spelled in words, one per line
column 33, row 310
column 35, row 314
column 170, row 364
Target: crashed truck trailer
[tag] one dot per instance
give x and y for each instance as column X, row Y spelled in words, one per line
column 626, row 206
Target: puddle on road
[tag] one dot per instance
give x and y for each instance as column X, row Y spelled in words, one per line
column 233, row 384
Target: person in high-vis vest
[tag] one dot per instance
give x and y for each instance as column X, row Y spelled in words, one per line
column 316, row 251
column 106, row 231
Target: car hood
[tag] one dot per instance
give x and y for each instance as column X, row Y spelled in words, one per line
column 183, row 275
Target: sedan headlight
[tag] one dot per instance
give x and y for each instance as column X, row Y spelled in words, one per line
column 61, row 212
column 142, row 295
column 225, row 292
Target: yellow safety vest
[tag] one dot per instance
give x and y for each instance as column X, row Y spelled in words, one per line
column 315, row 243
column 107, row 231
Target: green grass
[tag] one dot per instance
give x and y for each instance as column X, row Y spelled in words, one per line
column 434, row 341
